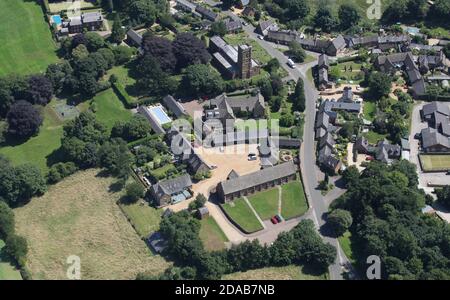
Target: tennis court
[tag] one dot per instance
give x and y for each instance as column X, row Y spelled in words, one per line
column 435, row 163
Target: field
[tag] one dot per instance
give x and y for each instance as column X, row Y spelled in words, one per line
column 110, row 109
column 435, row 163
column 265, row 203
column 241, row 213
column 64, row 5
column 7, row 270
column 291, row 272
column 80, row 216
column 293, row 203
column 211, row 235
column 144, row 218
column 40, row 149
column 26, row 44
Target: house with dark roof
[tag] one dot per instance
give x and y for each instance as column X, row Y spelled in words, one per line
column 156, row 242
column 386, row 152
column 134, row 38
column 185, row 5
column 232, row 26
column 431, row 62
column 174, row 106
column 430, row 112
column 361, row 145
column 264, row 27
column 170, row 191
column 323, row 66
column 206, row 13
column 90, row 21
column 434, row 142
column 266, row 178
column 249, row 11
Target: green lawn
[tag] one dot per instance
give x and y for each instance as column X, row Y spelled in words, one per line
column 7, row 270
column 241, row 213
column 265, row 203
column 435, row 162
column 373, row 137
column 40, row 149
column 109, row 108
column 211, row 235
column 346, row 245
column 145, row 219
column 291, row 272
column 26, row 45
column 293, row 201
column 370, row 108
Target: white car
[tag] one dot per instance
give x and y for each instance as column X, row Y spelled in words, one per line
column 291, row 63
column 260, row 37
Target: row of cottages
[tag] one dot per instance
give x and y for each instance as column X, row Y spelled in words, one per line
column 322, row 68
column 436, row 137
column 196, row 9
column 171, row 191
column 403, row 61
column 237, row 186
column 233, row 62
column 90, row 21
column 382, row 42
column 330, row 47
column 226, row 109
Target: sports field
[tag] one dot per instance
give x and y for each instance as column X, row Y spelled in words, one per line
column 80, row 216
column 434, row 163
column 26, row 45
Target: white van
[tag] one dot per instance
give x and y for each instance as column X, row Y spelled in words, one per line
column 291, row 63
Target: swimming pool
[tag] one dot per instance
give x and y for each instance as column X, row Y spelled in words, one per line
column 57, row 19
column 160, row 114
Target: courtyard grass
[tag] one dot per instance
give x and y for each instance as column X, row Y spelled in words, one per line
column 265, row 203
column 373, row 137
column 41, row 149
column 26, row 44
column 80, row 216
column 144, row 218
column 241, row 213
column 7, row 270
column 291, row 272
column 293, row 201
column 258, row 52
column 369, row 110
column 109, row 108
column 435, row 163
column 211, row 235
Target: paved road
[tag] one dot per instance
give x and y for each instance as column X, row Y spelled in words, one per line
column 308, row 167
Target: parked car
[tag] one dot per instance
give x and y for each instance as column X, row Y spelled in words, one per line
column 417, row 136
column 291, row 63
column 274, row 220
column 260, row 37
column 448, row 172
column 244, row 23
column 250, row 158
column 279, row 219
column 369, row 158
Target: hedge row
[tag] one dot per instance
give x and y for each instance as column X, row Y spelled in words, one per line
column 123, row 95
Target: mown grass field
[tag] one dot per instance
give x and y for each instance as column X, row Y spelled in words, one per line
column 80, row 216
column 293, row 201
column 26, row 44
column 211, row 235
column 40, row 149
column 265, row 203
column 435, row 162
column 144, row 218
column 241, row 213
column 109, row 108
column 291, row 272
column 7, row 270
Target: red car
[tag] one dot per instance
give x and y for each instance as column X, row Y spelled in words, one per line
column 369, row 158
column 274, row 220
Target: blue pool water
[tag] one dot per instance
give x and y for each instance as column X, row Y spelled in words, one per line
column 160, row 114
column 57, row 19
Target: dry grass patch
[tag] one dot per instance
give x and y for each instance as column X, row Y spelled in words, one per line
column 291, row 272
column 79, row 216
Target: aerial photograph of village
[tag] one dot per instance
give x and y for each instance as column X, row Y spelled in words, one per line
column 224, row 140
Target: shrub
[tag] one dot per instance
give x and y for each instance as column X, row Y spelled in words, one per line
column 134, row 191
column 123, row 95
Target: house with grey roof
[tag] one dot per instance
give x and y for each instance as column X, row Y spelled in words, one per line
column 174, row 106
column 90, row 21
column 248, row 184
column 323, row 66
column 156, row 242
column 170, row 191
column 134, row 38
column 206, row 13
column 154, row 123
column 434, row 142
column 185, row 5
column 232, row 26
column 361, row 145
column 387, row 152
column 264, row 27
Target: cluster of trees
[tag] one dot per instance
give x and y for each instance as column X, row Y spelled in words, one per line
column 138, row 12
column 296, row 13
column 385, row 205
column 163, row 58
column 136, row 128
column 417, row 10
column 302, row 245
column 443, row 196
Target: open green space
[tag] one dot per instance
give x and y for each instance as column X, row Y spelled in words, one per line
column 373, row 137
column 350, row 71
column 40, row 149
column 265, row 203
column 7, row 269
column 291, row 272
column 435, row 162
column 26, row 44
column 258, row 53
column 57, row 7
column 293, row 201
column 109, row 109
column 211, row 235
column 370, row 109
column 144, row 218
column 241, row 213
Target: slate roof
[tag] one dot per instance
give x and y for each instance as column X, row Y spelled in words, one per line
column 233, row 174
column 430, row 138
column 323, row 61
column 439, row 107
column 259, row 177
column 206, row 13
column 134, row 36
column 386, row 151
column 172, row 186
column 232, row 25
column 174, row 106
column 361, row 145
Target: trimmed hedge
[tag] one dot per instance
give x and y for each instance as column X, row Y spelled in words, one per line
column 119, row 89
